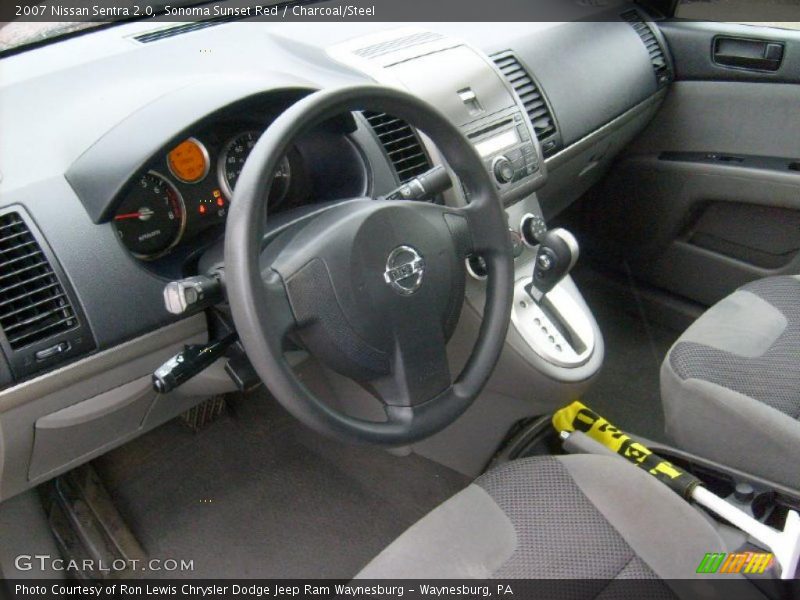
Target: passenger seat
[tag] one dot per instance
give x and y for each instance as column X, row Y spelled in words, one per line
column 730, row 385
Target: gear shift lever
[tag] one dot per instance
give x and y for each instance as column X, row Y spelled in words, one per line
column 558, row 253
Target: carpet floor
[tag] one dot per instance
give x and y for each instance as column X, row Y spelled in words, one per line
column 627, row 391
column 256, row 494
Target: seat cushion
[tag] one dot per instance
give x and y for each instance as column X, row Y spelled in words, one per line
column 571, row 517
column 731, row 383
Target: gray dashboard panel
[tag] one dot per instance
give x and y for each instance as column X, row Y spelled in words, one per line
column 591, row 72
column 105, row 373
column 437, row 77
column 120, row 299
column 577, row 168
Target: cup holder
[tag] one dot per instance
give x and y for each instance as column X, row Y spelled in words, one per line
column 763, row 505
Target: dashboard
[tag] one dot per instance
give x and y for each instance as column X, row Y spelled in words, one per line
column 135, row 195
column 124, row 184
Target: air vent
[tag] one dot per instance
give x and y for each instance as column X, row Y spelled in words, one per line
column 168, row 32
column 401, row 144
column 532, row 98
column 654, row 49
column 33, row 304
column 389, row 46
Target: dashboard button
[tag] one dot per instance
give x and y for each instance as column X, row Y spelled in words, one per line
column 52, row 351
column 503, row 169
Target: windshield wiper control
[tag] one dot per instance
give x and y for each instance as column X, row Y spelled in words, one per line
column 423, row 187
column 193, row 294
column 558, row 253
column 189, row 362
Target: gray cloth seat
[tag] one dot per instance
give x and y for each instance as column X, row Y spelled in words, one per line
column 570, row 517
column 730, row 385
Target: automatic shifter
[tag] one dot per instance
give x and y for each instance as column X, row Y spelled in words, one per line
column 556, row 325
column 558, row 253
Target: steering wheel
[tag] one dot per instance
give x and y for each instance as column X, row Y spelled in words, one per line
column 372, row 288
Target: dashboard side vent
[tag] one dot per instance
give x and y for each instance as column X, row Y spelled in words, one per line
column 168, row 32
column 534, row 100
column 402, row 146
column 33, row 303
column 651, row 43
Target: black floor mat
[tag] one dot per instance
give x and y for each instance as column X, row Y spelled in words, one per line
column 627, row 390
column 258, row 495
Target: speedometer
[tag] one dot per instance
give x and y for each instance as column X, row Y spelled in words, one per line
column 151, row 218
column 232, row 159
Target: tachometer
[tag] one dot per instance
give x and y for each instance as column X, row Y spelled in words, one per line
column 233, row 158
column 152, row 217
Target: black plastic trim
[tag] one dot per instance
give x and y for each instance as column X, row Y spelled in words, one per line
column 745, row 161
column 634, row 16
column 692, row 46
column 735, row 61
column 552, row 142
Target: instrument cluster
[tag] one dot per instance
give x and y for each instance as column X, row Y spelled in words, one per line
column 188, row 189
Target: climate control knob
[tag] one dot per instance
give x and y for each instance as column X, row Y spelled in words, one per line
column 503, row 170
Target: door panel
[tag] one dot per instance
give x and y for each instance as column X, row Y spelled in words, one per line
column 700, row 230
column 708, row 197
column 727, row 117
column 693, row 46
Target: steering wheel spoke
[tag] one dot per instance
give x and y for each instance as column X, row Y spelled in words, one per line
column 458, row 223
column 481, row 225
column 419, row 366
column 277, row 307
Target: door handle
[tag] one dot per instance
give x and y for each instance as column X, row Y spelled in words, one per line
column 746, row 53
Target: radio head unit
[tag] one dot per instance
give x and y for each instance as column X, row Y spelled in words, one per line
column 509, row 151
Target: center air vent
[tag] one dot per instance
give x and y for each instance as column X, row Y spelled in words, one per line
column 654, row 49
column 401, row 144
column 533, row 99
column 33, row 305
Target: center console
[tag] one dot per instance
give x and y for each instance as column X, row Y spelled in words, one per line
column 552, row 329
column 508, row 150
column 464, row 85
column 554, row 347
